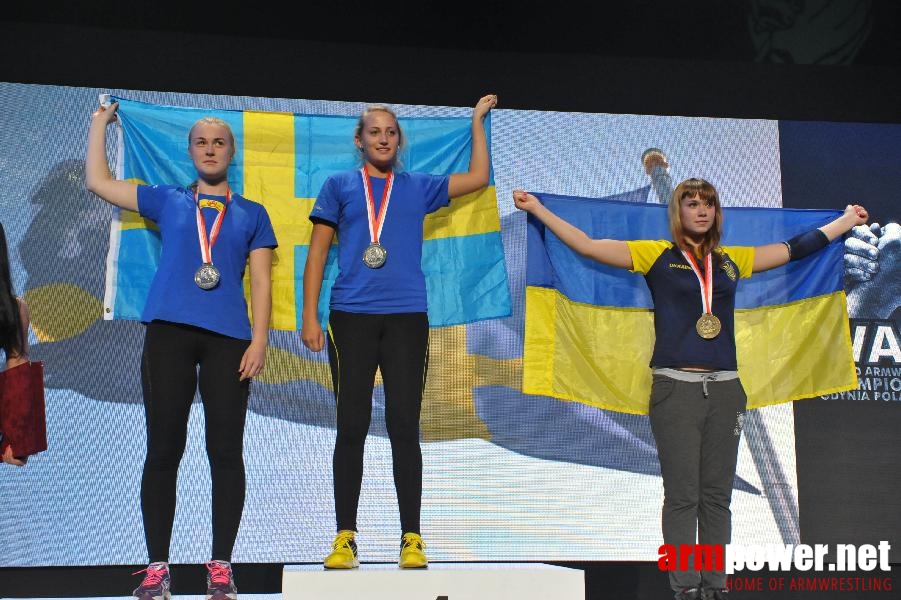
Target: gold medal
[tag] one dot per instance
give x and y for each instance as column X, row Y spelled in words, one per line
column 708, row 326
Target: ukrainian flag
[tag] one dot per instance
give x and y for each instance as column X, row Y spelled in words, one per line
column 282, row 159
column 589, row 330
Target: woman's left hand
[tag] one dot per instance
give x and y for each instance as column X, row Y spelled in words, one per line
column 484, row 105
column 858, row 213
column 253, row 361
column 10, row 458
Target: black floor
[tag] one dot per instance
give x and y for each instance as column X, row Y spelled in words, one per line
column 603, row 581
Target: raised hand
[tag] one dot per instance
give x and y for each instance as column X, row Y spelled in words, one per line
column 523, row 200
column 107, row 114
column 483, row 106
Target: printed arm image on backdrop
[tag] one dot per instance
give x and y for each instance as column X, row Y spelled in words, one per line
column 589, row 327
column 281, row 162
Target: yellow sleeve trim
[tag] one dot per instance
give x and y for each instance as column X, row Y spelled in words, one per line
column 646, row 252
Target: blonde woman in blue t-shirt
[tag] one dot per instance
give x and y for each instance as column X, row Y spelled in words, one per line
column 697, row 401
column 377, row 315
column 197, row 335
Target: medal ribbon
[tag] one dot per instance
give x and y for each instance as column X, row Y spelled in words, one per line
column 376, row 222
column 206, row 246
column 706, row 281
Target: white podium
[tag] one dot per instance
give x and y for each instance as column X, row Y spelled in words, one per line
column 440, row 581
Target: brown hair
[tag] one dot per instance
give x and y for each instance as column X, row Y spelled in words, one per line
column 707, row 193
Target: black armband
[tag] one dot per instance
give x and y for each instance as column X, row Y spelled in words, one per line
column 806, row 244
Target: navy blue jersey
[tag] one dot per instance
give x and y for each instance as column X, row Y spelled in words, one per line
column 676, row 293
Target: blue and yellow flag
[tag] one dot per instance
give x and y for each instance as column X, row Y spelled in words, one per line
column 589, row 330
column 282, row 159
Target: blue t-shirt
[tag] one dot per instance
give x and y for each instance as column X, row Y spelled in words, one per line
column 399, row 285
column 676, row 292
column 173, row 294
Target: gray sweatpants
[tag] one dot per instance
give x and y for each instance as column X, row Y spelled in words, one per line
column 697, row 426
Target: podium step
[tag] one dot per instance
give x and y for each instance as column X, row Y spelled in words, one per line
column 440, row 581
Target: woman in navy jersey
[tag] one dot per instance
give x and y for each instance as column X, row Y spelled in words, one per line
column 377, row 315
column 197, row 335
column 697, row 401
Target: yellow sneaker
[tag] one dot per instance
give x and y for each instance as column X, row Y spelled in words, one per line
column 344, row 552
column 411, row 552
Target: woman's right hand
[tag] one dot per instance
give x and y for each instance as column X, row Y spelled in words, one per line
column 525, row 201
column 311, row 335
column 107, row 114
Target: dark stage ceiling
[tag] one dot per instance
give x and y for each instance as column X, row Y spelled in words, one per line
column 821, row 32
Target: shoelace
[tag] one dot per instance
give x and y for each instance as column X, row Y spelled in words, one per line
column 410, row 540
column 154, row 575
column 219, row 573
column 343, row 539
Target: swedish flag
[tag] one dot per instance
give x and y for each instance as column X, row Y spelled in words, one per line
column 282, row 159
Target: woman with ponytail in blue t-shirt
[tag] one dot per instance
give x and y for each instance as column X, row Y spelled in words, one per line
column 377, row 315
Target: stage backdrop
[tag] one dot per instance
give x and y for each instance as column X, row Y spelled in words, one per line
column 850, row 442
column 508, row 476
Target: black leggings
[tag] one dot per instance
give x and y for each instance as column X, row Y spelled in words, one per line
column 169, row 376
column 398, row 345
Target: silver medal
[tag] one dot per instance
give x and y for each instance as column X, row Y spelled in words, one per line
column 207, row 276
column 375, row 256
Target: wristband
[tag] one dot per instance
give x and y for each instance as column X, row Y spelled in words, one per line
column 806, row 244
